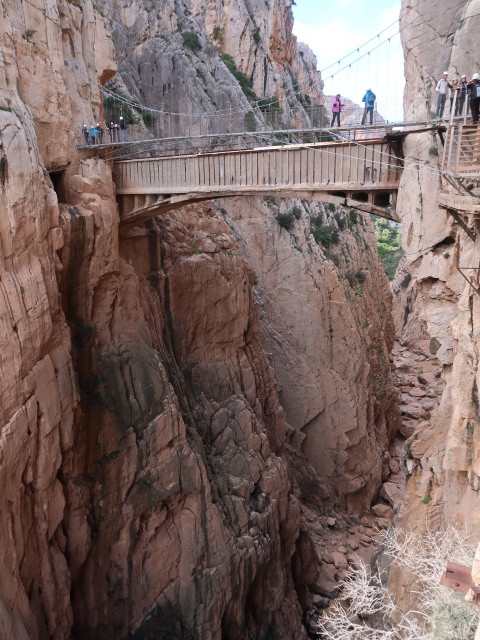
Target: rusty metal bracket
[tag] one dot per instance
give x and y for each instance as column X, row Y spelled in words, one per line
column 456, row 216
column 459, row 578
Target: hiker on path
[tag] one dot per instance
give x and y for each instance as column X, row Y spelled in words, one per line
column 93, row 135
column 123, row 127
column 462, row 92
column 474, row 93
column 443, row 88
column 99, row 133
column 336, row 109
column 86, row 135
column 369, row 100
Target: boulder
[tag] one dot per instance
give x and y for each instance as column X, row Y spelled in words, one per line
column 382, row 511
column 392, row 493
column 339, row 560
column 325, row 584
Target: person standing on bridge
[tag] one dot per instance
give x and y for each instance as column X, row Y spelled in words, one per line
column 123, row 128
column 474, row 92
column 86, row 135
column 369, row 100
column 336, row 109
column 462, row 94
column 443, row 88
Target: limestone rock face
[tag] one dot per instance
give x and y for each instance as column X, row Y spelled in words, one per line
column 433, row 303
column 326, row 324
column 154, row 476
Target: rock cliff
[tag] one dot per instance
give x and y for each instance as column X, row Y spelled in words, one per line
column 154, row 473
column 434, row 305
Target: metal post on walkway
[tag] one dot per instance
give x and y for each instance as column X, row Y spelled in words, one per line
column 453, row 105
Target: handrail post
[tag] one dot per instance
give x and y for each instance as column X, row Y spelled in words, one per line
column 445, row 147
column 459, row 146
column 450, row 147
column 454, row 105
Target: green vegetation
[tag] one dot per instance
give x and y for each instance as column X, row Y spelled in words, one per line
column 148, row 118
column 357, row 277
column 250, row 122
column 217, row 34
column 286, row 220
column 426, row 500
column 113, row 109
column 296, row 212
column 340, row 220
column 6, row 109
column 388, row 245
column 191, row 40
column 256, row 36
column 326, row 235
column 245, row 83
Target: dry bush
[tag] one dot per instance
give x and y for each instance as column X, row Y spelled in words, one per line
column 440, row 614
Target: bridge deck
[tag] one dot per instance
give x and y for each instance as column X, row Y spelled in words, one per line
column 367, row 172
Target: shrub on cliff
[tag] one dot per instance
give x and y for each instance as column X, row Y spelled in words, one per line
column 286, row 220
column 369, row 612
column 325, row 235
column 191, row 40
column 245, row 83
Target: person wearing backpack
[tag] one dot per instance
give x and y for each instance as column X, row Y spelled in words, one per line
column 336, row 109
column 369, row 100
column 474, row 92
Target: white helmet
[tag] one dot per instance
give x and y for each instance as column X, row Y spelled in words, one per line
column 475, row 76
column 445, row 73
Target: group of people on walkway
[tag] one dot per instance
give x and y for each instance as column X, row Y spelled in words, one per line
column 117, row 132
column 369, row 101
column 464, row 89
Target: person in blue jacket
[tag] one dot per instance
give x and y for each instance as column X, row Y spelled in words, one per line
column 369, row 100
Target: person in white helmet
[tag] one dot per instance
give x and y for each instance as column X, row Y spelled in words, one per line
column 462, row 94
column 474, row 93
column 443, row 89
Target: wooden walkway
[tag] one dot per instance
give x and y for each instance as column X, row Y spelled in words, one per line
column 362, row 175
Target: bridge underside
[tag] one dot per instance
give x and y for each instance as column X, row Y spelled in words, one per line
column 135, row 209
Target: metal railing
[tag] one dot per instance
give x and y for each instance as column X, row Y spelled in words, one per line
column 461, row 152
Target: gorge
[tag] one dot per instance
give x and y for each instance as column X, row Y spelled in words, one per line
column 201, row 422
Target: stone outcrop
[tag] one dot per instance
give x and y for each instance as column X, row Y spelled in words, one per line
column 155, row 477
